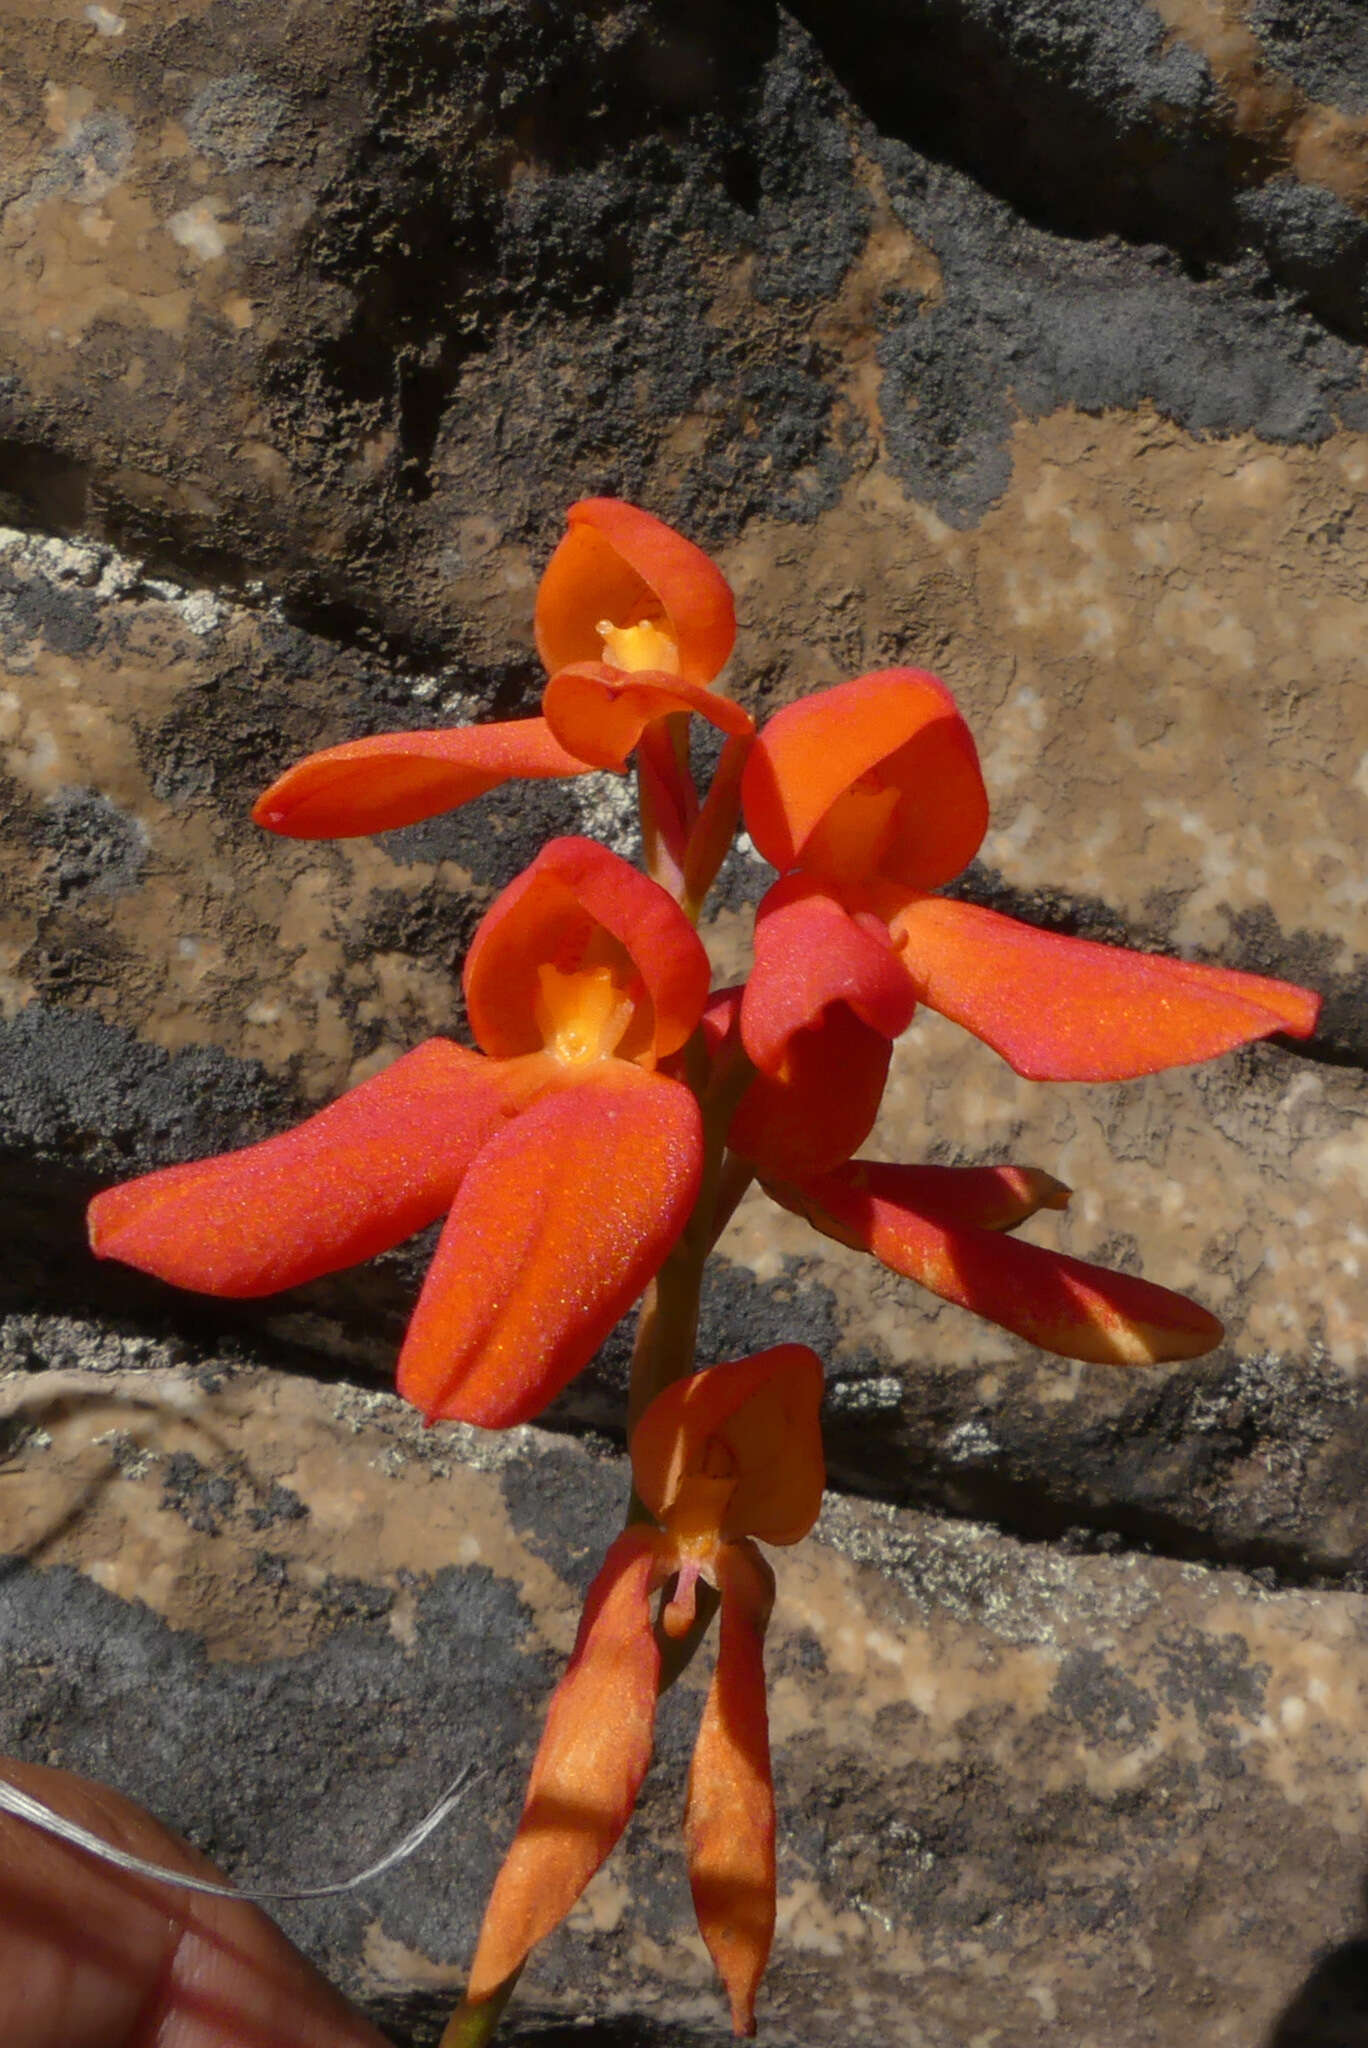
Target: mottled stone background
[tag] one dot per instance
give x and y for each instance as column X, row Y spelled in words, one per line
column 1024, row 341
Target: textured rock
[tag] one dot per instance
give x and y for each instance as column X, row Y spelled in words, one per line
column 1067, row 1798
column 1233, row 133
column 1023, row 342
column 346, row 304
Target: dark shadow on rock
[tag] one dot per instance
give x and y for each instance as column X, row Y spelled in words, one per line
column 415, row 2020
column 1091, row 120
column 1331, row 2008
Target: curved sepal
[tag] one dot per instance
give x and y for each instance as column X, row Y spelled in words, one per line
column 589, row 1765
column 398, row 778
column 729, row 1805
column 579, row 903
column 876, row 779
column 736, row 1450
column 987, row 1197
column 810, row 953
column 559, row 1224
column 619, row 564
column 1061, row 1304
column 1063, row 1009
column 599, row 713
column 382, row 1162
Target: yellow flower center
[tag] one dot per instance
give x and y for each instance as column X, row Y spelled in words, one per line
column 643, row 646
column 582, row 1015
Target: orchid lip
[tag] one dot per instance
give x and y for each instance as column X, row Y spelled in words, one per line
column 584, row 1015
column 643, row 647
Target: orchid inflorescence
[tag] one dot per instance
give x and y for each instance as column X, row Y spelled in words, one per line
column 590, row 1151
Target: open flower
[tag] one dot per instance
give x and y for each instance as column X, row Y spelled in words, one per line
column 569, row 1164
column 868, row 799
column 633, row 622
column 720, row 1458
column 942, row 1226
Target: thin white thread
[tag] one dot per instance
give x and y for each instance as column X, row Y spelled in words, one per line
column 24, row 1807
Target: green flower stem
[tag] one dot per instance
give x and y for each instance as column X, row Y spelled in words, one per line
column 471, row 2026
column 677, row 725
column 667, row 1329
column 715, row 826
column 736, row 1176
column 667, row 801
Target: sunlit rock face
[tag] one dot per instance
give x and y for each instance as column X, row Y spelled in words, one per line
column 1023, row 344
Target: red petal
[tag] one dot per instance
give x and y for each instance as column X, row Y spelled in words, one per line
column 825, row 1106
column 548, row 917
column 619, row 563
column 558, row 1226
column 397, row 778
column 382, row 1162
column 1060, row 1009
column 923, row 812
column 1061, row 1304
column 600, row 713
column 988, row 1197
column 809, row 953
column 589, row 1766
column 736, row 1450
column 729, row 1809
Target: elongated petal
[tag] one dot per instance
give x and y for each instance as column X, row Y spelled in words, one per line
column 729, row 1806
column 549, row 916
column 1059, row 1303
column 558, row 1226
column 600, row 713
column 382, row 1162
column 589, row 1766
column 397, row 778
column 876, row 778
column 623, row 565
column 809, row 953
column 1061, row 1009
column 736, row 1450
column 989, row 1197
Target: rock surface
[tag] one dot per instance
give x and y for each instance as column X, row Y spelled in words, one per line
column 1028, row 1795
column 1022, row 343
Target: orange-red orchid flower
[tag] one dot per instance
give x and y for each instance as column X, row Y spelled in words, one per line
column 569, row 1164
column 633, row 622
column 941, row 1226
column 720, row 1458
column 868, row 799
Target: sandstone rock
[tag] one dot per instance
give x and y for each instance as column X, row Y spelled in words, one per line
column 349, row 306
column 1023, row 343
column 1024, row 1794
